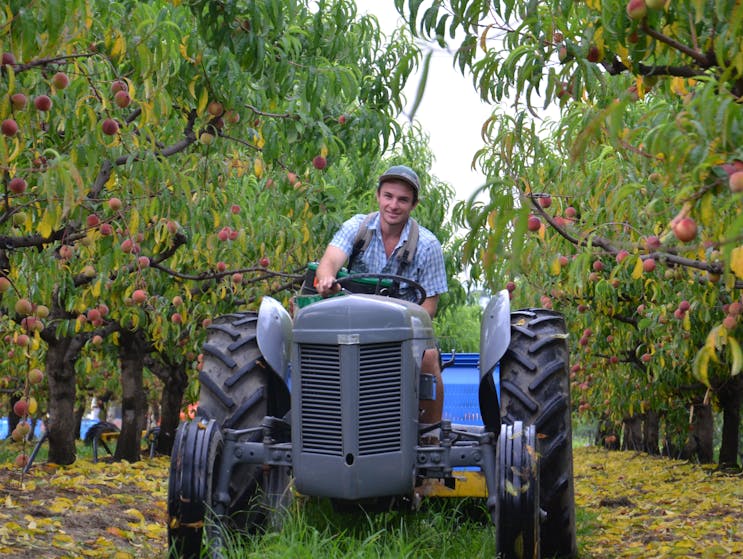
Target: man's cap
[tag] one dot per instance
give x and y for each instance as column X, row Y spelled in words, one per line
column 403, row 173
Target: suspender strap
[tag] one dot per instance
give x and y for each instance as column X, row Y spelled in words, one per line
column 405, row 254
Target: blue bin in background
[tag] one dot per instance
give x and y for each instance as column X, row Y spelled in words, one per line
column 461, row 384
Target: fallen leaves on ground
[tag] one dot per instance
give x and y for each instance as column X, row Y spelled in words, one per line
column 108, row 509
column 630, row 505
column 650, row 507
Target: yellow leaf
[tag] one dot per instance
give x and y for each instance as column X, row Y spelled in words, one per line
column 737, row 356
column 118, row 49
column 699, row 367
column 736, row 261
column 203, row 101
column 555, row 267
column 638, row 271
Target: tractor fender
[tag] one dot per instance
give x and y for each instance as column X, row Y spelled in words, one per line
column 274, row 333
column 495, row 332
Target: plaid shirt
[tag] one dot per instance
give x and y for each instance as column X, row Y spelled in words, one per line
column 427, row 267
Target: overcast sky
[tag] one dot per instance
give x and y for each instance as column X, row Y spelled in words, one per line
column 451, row 111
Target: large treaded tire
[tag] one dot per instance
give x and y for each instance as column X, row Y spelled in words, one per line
column 535, row 389
column 197, row 452
column 239, row 390
column 517, row 506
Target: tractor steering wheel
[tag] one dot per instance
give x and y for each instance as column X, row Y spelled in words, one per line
column 420, row 292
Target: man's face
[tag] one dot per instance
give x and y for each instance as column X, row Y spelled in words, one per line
column 395, row 202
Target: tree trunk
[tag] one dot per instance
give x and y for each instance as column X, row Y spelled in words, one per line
column 131, row 352
column 730, row 395
column 61, row 355
column 651, row 433
column 175, row 381
column 13, row 419
column 632, row 439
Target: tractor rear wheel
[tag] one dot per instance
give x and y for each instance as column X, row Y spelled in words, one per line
column 239, row 390
column 517, row 505
column 535, row 389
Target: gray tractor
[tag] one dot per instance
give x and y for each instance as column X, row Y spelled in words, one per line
column 326, row 404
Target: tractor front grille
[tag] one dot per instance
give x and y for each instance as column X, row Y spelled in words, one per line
column 321, row 399
column 378, row 416
column 380, row 398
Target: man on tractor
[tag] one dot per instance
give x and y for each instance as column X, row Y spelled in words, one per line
column 390, row 241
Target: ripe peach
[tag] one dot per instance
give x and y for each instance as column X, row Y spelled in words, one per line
column 20, row 408
column 533, row 223
column 60, row 80
column 621, row 256
column 570, row 212
column 8, row 59
column 43, row 103
column 139, row 296
column 636, row 9
column 118, row 85
column 736, row 182
column 215, row 108
column 685, row 230
column 114, row 203
column 319, row 162
column 17, row 185
column 122, row 99
column 4, row 284
column 648, row 265
column 18, row 101
column 24, row 307
column 9, row 127
column 109, row 127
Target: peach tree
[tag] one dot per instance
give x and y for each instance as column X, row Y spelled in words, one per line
column 624, row 210
column 164, row 162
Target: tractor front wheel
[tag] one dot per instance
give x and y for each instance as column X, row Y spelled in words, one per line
column 517, row 504
column 535, row 389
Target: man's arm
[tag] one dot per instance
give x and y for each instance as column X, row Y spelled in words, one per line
column 330, row 263
column 430, row 304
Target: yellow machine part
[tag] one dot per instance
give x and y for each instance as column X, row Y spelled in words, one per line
column 469, row 483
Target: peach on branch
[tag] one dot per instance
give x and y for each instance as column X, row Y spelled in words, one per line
column 319, row 162
column 118, row 85
column 18, row 101
column 114, row 203
column 533, row 223
column 215, row 108
column 637, row 9
column 8, row 59
column 66, row 252
column 206, row 138
column 21, row 460
column 4, row 284
column 9, row 127
column 648, row 265
column 17, row 185
column 176, row 318
column 60, row 80
column 545, row 201
column 41, row 311
column 736, row 182
column 20, row 408
column 570, row 212
column 24, row 307
column 43, row 103
column 109, row 127
column 122, row 99
column 143, row 262
column 139, row 296
column 97, row 339
column 106, row 229
column 621, row 256
column 264, row 262
column 35, row 376
column 685, row 230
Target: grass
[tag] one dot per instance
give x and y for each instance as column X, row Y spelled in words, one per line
column 445, row 528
